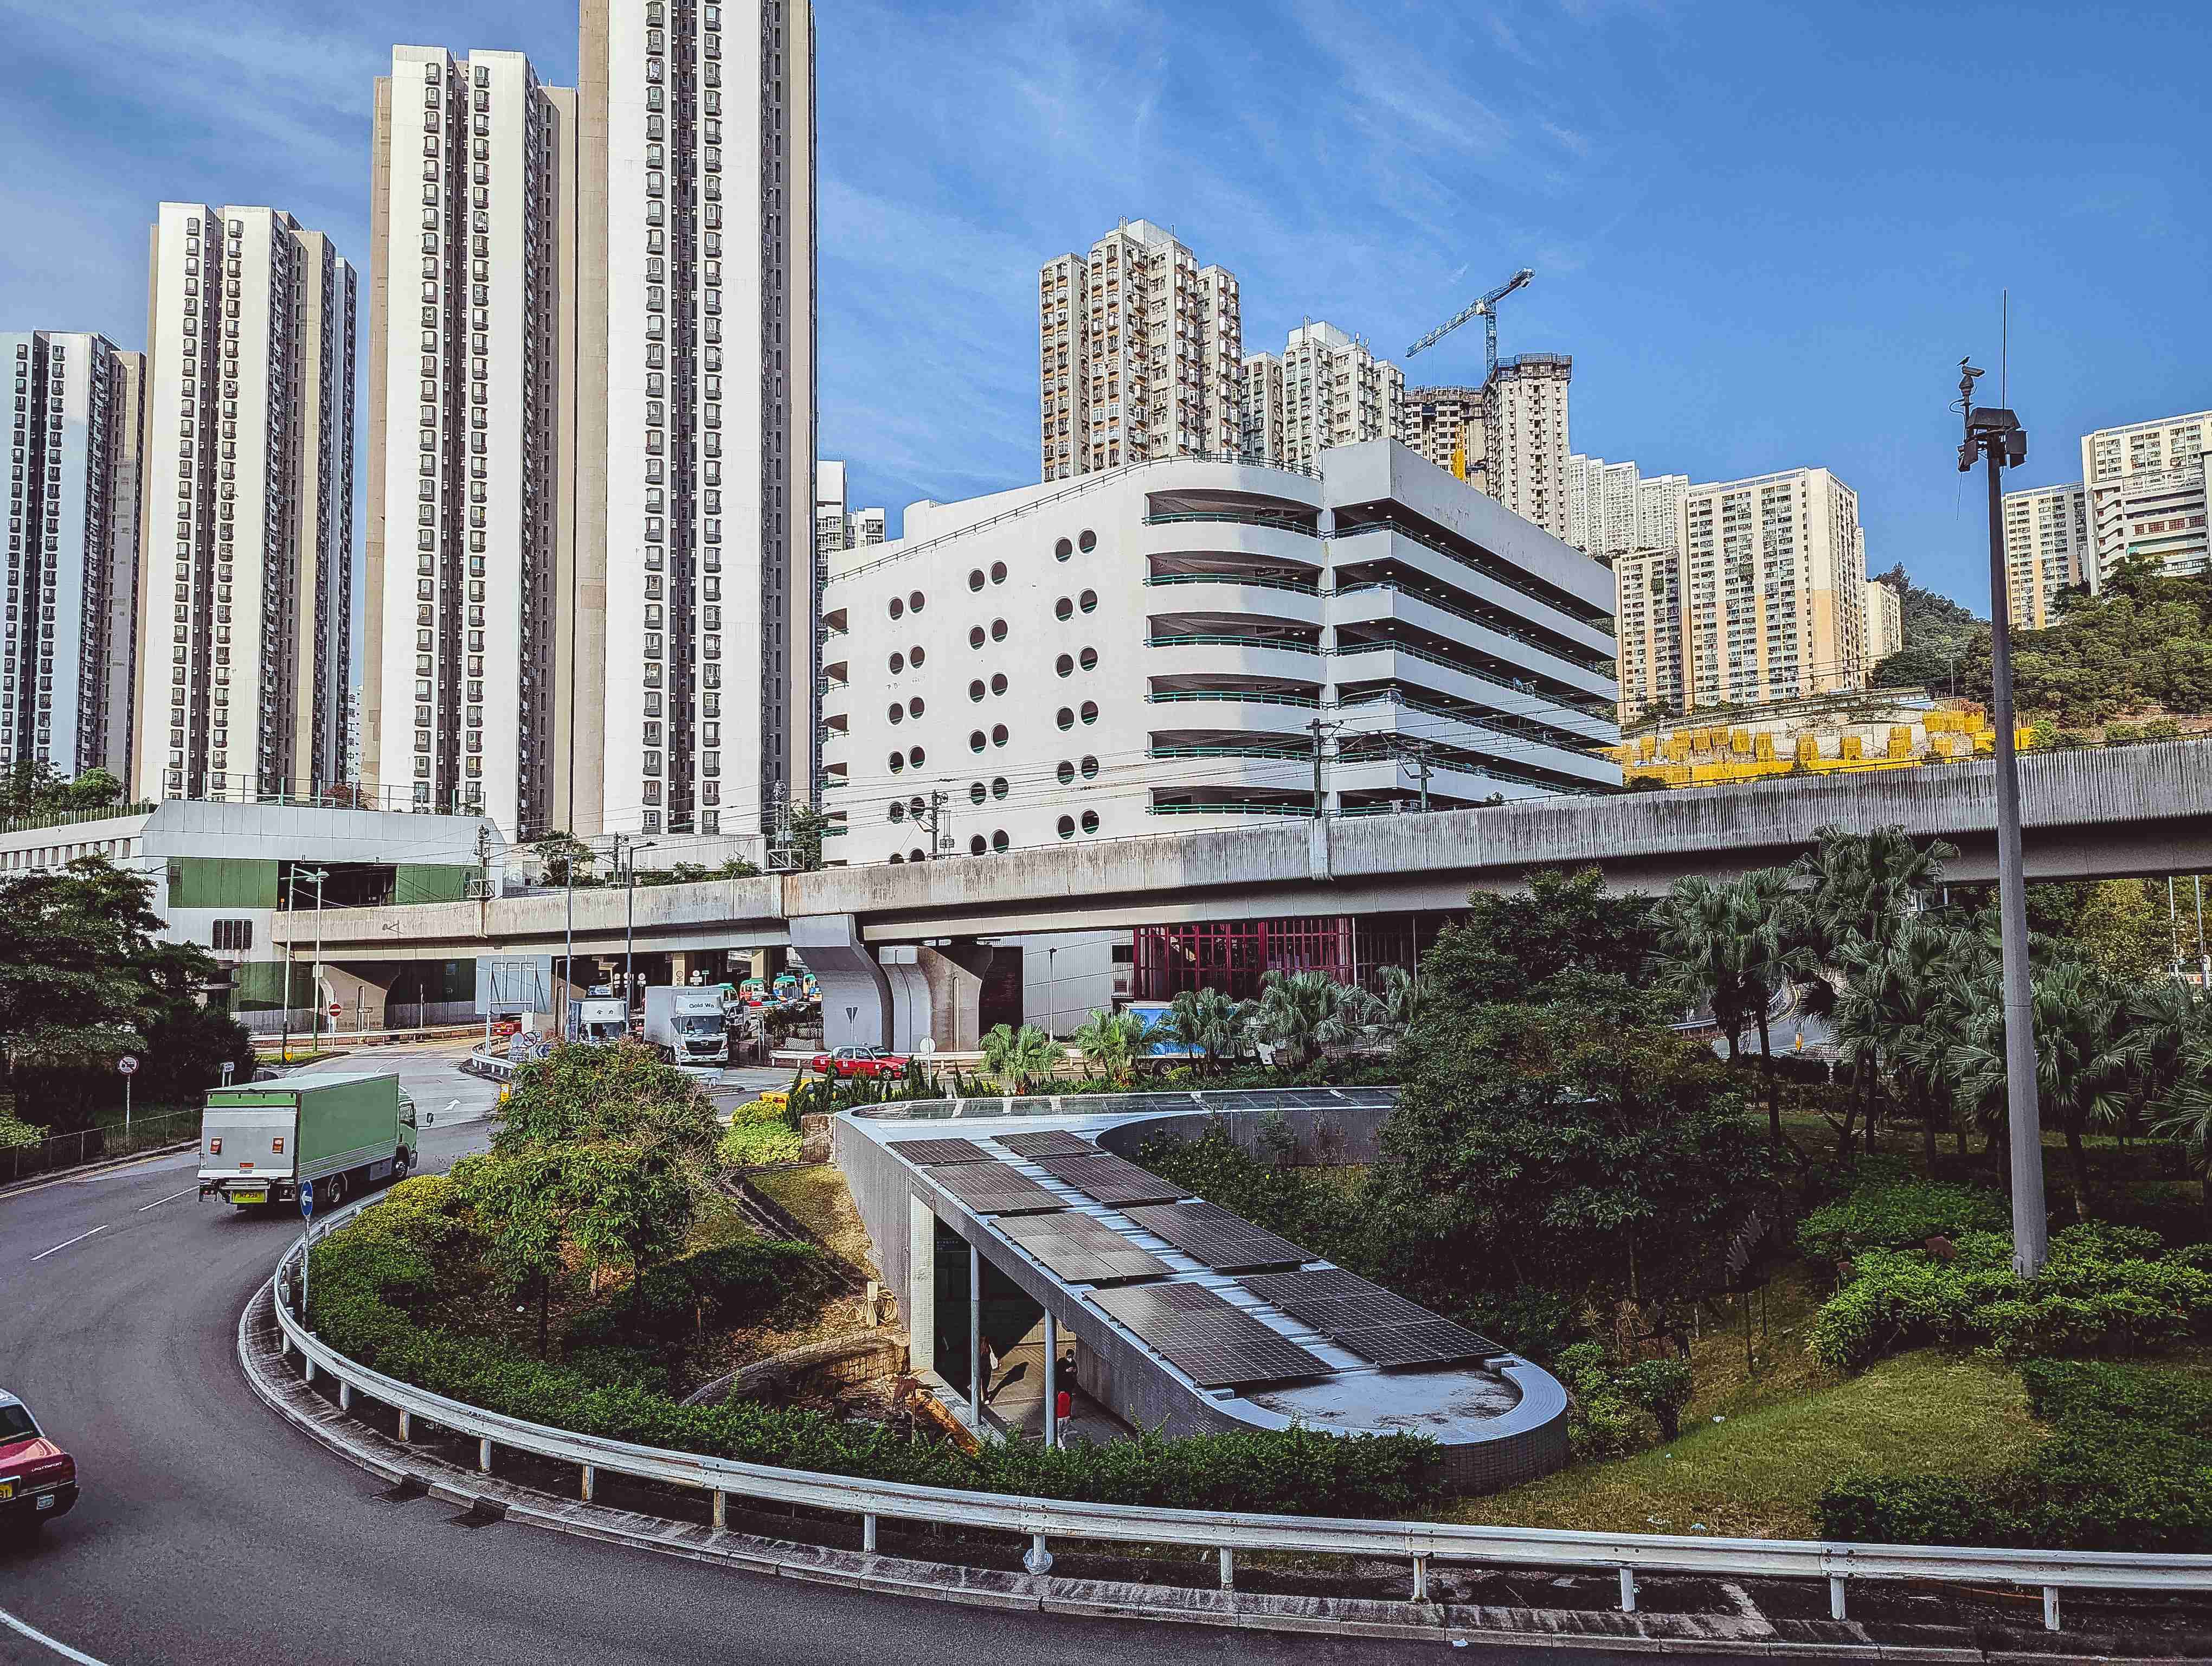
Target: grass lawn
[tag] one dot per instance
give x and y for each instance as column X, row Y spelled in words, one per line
column 1758, row 1473
column 817, row 1197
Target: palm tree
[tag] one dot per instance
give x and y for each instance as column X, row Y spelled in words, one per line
column 1207, row 1023
column 1111, row 1043
column 1019, row 1058
column 1305, row 1014
column 2188, row 1122
column 1401, row 998
column 1889, row 995
column 1724, row 945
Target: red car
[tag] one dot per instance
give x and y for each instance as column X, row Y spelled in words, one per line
column 38, row 1480
column 858, row 1061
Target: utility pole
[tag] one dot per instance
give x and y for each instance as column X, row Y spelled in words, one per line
column 1419, row 765
column 630, row 921
column 2204, row 958
column 1994, row 435
column 938, row 799
column 315, row 981
column 1321, row 732
column 568, row 951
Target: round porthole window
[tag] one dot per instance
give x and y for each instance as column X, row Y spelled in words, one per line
column 914, row 808
column 898, row 763
column 914, row 601
column 1065, row 665
column 975, row 690
column 898, row 607
column 898, row 860
column 999, row 842
column 898, row 664
column 999, row 734
column 999, row 684
column 976, row 792
column 999, row 786
column 1091, row 768
column 916, row 856
column 1087, row 542
column 976, row 741
column 1062, row 550
column 975, row 637
column 1067, row 772
column 914, row 657
column 1066, row 828
column 1090, row 605
column 1090, row 821
column 997, row 630
column 976, row 847
column 898, row 810
column 914, row 707
column 1066, row 718
column 975, row 579
column 915, row 756
column 1088, row 659
column 1062, row 609
column 998, row 572
column 896, row 714
column 1091, row 711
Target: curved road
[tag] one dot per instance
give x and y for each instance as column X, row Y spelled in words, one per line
column 210, row 1529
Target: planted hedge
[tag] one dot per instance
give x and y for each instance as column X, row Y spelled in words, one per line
column 2128, row 1467
column 1898, row 1213
column 2104, row 1290
column 367, row 1277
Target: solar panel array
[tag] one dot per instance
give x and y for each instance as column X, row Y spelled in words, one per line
column 1375, row 1323
column 1215, row 1344
column 1226, row 1242
column 933, row 1151
column 1111, row 1180
column 1080, row 1250
column 1051, row 1142
column 994, row 1188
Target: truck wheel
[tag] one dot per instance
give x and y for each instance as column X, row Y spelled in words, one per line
column 399, row 1165
column 334, row 1192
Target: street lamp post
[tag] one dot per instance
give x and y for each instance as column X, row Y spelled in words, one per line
column 1994, row 435
column 315, row 982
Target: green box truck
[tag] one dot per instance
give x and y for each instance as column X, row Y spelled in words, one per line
column 343, row 1132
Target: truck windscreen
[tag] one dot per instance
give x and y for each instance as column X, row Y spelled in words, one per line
column 699, row 1026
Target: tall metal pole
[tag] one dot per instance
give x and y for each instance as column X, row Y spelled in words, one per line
column 1997, row 436
column 569, row 958
column 321, row 874
column 2203, row 958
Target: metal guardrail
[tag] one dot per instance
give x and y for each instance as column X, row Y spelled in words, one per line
column 493, row 1066
column 1419, row 1542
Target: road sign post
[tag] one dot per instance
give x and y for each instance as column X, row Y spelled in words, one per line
column 307, row 1221
column 129, row 1067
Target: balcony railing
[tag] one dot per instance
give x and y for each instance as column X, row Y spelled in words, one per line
column 1602, row 711
column 1232, row 517
column 1256, row 697
column 1230, row 751
column 1487, row 621
column 1303, row 810
column 1289, row 644
column 1505, row 574
column 1306, row 587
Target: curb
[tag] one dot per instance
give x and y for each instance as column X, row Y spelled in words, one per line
column 260, row 1359
column 80, row 1171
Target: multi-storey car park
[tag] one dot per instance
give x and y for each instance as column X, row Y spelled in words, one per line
column 1189, row 643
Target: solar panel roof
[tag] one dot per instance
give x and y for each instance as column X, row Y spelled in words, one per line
column 1051, row 1142
column 1080, row 1250
column 1215, row 1344
column 1378, row 1325
column 994, row 1188
column 1110, row 1180
column 929, row 1152
column 1209, row 1233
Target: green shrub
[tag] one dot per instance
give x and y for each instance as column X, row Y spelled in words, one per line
column 1898, row 1214
column 2162, row 728
column 1604, row 1397
column 2128, row 1467
column 362, row 1274
column 2104, row 1290
column 752, row 1144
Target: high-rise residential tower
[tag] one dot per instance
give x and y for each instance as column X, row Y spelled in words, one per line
column 1444, row 424
column 1327, row 389
column 1884, row 622
column 2146, row 484
column 1613, row 506
column 695, row 480
column 247, row 539
column 2047, row 547
column 68, row 647
column 1773, row 589
column 1140, row 354
column 473, row 393
column 1525, row 437
column 1648, row 630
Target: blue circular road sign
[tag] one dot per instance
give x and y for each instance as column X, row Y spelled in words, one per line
column 307, row 1200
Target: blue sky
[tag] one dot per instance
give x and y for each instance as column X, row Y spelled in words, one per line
column 1765, row 232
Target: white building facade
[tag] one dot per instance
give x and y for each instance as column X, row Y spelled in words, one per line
column 1525, row 448
column 1884, row 622
column 247, row 525
column 2147, row 493
column 1161, row 651
column 1140, row 354
column 1647, row 587
column 2048, row 547
column 697, row 285
column 68, row 642
column 471, row 439
column 1327, row 388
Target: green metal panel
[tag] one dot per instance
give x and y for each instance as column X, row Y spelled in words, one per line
column 260, row 987
column 338, row 1115
column 423, row 883
column 221, row 882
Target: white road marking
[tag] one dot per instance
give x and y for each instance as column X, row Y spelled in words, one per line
column 79, row 1238
column 38, row 1636
column 172, row 1198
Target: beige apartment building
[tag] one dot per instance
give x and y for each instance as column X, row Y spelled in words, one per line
column 1140, row 354
column 2048, row 547
column 1326, row 388
column 1444, row 424
column 1884, row 622
column 247, row 527
column 2147, row 493
column 1648, row 630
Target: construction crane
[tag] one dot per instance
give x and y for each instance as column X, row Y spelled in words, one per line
column 1486, row 310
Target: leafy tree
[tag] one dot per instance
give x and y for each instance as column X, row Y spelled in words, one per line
column 1572, row 1144
column 2113, row 924
column 1942, row 640
column 1022, row 1058
column 1892, row 989
column 522, row 1202
column 1302, row 1014
column 568, row 858
column 1110, row 1041
column 582, row 1095
column 77, row 947
column 1517, row 947
column 1722, row 945
column 32, row 791
column 808, row 828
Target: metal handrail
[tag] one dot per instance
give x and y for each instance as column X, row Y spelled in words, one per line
column 1256, row 697
column 1287, row 642
column 1476, row 618
column 1227, row 1531
column 1603, row 621
column 1176, row 517
column 1303, row 589
column 1229, row 751
column 1373, row 645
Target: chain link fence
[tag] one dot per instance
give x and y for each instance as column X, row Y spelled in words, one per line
column 70, row 1150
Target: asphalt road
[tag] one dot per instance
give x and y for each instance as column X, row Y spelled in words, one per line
column 210, row 1530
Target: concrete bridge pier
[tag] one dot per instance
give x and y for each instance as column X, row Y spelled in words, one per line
column 857, row 1005
column 937, row 991
column 359, row 990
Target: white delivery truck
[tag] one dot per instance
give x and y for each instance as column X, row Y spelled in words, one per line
column 599, row 1020
column 686, row 1023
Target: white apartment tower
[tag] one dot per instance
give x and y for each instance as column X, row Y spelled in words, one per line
column 1647, row 611
column 2047, row 547
column 247, row 527
column 68, row 646
column 1327, row 389
column 696, row 295
column 1773, row 589
column 1884, row 622
column 1140, row 354
column 2147, row 493
column 1658, row 510
column 472, row 437
column 1613, row 506
column 1525, row 438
